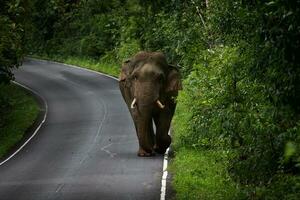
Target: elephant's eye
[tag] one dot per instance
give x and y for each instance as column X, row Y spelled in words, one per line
column 160, row 77
column 135, row 77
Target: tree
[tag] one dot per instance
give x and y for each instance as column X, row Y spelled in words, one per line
column 11, row 38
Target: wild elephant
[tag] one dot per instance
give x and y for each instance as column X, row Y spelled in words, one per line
column 149, row 86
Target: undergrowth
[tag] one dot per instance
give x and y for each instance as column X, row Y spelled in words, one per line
column 203, row 175
column 20, row 113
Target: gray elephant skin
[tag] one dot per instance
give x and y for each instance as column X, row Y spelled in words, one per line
column 149, row 86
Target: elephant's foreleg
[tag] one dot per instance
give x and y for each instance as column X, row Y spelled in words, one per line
column 162, row 138
column 146, row 137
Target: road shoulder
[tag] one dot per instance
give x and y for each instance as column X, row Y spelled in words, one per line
column 30, row 128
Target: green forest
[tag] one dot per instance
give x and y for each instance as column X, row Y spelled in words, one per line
column 236, row 132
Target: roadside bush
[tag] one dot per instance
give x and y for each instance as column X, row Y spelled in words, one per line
column 127, row 49
column 11, row 49
column 229, row 110
column 11, row 33
column 213, row 98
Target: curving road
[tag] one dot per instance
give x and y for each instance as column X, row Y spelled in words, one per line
column 86, row 149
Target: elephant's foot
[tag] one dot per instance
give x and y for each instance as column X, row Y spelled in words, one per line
column 143, row 153
column 162, row 144
column 159, row 150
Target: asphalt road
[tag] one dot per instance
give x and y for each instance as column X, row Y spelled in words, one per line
column 86, row 149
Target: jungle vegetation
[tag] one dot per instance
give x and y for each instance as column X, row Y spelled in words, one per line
column 18, row 109
column 237, row 126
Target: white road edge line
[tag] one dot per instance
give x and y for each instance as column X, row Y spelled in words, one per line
column 165, row 162
column 164, row 176
column 36, row 130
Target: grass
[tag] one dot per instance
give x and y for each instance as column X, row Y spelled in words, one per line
column 199, row 172
column 202, row 175
column 97, row 65
column 16, row 117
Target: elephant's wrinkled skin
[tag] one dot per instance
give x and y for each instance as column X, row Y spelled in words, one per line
column 148, row 85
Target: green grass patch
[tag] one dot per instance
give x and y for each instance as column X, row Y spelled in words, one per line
column 202, row 175
column 104, row 66
column 18, row 112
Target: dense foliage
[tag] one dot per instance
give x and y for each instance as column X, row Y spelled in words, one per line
column 11, row 35
column 12, row 15
column 244, row 95
column 239, row 59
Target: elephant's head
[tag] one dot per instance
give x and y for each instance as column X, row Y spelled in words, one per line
column 150, row 79
column 148, row 85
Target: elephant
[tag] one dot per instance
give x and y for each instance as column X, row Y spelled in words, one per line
column 149, row 86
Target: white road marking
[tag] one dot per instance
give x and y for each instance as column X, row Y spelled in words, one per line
column 164, row 177
column 36, row 130
column 111, row 154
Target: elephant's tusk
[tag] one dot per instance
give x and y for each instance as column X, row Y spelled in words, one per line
column 133, row 103
column 160, row 104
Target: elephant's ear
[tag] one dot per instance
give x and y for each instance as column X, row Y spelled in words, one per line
column 122, row 76
column 124, row 70
column 173, row 80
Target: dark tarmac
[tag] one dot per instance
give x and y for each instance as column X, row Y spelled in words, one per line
column 86, row 149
